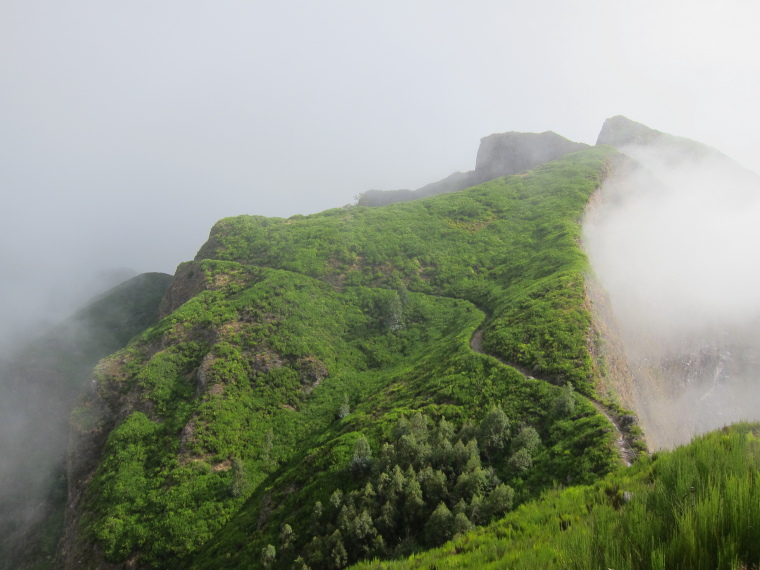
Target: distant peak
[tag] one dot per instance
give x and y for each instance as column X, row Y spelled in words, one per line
column 620, row 131
column 501, row 154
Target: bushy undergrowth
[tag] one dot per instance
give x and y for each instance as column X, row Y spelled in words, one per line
column 697, row 507
column 510, row 246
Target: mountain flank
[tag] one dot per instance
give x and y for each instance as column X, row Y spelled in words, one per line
column 436, row 382
column 40, row 386
column 318, row 359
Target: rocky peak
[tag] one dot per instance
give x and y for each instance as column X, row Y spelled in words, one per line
column 502, row 154
column 620, row 131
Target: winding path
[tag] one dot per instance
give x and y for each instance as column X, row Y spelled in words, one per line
column 625, row 450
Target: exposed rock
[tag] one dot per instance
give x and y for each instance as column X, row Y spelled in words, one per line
column 189, row 280
column 620, row 131
column 500, row 154
column 201, row 376
column 452, row 183
column 266, row 361
column 313, row 371
column 511, row 153
column 626, row 134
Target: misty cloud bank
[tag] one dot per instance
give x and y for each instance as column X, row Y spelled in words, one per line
column 674, row 242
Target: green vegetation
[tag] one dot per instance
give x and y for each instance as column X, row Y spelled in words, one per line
column 510, row 246
column 274, row 418
column 57, row 366
column 694, row 508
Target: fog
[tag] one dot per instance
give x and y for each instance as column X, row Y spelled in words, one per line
column 128, row 129
column 674, row 242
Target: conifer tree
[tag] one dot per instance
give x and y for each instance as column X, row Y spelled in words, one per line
column 361, row 462
column 337, row 557
column 239, row 486
column 268, row 556
column 564, row 405
column 500, row 500
column 494, row 431
column 439, row 526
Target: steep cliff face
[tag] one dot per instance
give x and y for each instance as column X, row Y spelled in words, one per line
column 511, row 153
column 499, row 155
column 40, row 386
column 668, row 237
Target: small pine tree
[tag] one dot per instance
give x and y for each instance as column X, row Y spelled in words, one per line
column 564, row 405
column 439, row 527
column 500, row 500
column 521, row 460
column 336, row 499
column 287, row 537
column 413, row 500
column 239, row 486
column 337, row 557
column 494, row 431
column 444, row 431
column 361, row 462
column 344, row 409
column 316, row 518
column 461, row 524
column 268, row 556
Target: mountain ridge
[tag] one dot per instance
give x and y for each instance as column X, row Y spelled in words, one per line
column 499, row 154
column 328, row 389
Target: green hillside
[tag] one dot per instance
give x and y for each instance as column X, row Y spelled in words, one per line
column 697, row 507
column 316, row 399
column 39, row 386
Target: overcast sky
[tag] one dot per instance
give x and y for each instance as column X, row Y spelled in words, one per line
column 128, row 128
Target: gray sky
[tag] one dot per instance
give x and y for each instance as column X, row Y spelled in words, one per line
column 128, row 128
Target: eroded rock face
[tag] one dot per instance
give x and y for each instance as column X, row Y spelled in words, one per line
column 666, row 237
column 620, row 131
column 189, row 280
column 503, row 154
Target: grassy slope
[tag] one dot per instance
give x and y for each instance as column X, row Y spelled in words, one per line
column 253, row 372
column 693, row 508
column 509, row 246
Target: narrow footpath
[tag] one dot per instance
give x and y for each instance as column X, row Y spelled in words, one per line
column 625, row 450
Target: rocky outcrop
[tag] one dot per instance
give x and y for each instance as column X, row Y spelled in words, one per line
column 620, row 131
column 499, row 155
column 189, row 280
column 511, row 153
column 628, row 135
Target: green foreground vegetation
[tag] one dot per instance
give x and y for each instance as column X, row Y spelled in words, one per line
column 318, row 403
column 696, row 508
